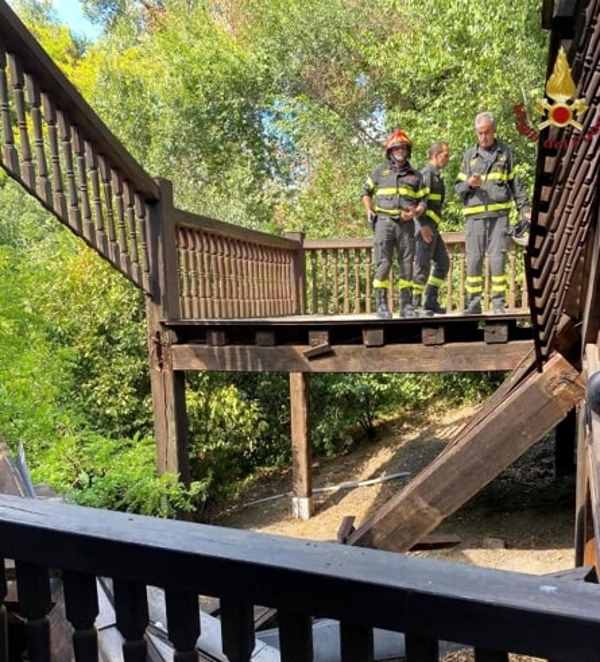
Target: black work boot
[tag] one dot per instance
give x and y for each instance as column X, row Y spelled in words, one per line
column 406, row 307
column 383, row 312
column 432, row 307
column 498, row 306
column 473, row 305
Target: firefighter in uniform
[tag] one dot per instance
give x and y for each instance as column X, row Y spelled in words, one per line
column 393, row 197
column 430, row 247
column 487, row 186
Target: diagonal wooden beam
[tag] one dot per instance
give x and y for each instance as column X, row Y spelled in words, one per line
column 529, row 411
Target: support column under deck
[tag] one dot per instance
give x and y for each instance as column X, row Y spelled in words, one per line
column 302, row 499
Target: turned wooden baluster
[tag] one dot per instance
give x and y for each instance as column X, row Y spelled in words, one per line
column 194, row 273
column 246, row 282
column 356, row 281
column 3, row 615
column 34, row 605
column 217, row 304
column 356, row 643
column 346, row 281
column 117, row 187
column 253, row 266
column 92, row 165
column 131, row 608
column 268, row 284
column 59, row 202
column 105, row 178
column 81, row 606
column 295, row 637
column 183, row 622
column 314, row 281
column 34, row 99
column 18, row 85
column 209, row 310
column 336, row 281
column 134, row 251
column 141, row 215
column 86, row 210
column 64, row 130
column 184, row 271
column 10, row 156
column 512, row 282
column 263, row 307
column 487, row 283
column 450, row 282
column 461, row 280
column 237, row 630
column 368, row 279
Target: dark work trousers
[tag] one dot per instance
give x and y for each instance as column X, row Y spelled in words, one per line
column 428, row 255
column 486, row 235
column 393, row 236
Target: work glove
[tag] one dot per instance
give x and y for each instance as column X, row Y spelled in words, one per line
column 520, row 232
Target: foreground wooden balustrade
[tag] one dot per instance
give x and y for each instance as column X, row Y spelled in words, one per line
column 430, row 601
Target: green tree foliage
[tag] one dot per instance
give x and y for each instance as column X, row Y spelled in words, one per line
column 267, row 115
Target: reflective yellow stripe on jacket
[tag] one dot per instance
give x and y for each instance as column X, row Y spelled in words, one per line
column 480, row 209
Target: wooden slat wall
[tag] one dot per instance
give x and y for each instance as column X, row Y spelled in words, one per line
column 53, row 144
column 565, row 195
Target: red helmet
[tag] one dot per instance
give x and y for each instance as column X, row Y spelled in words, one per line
column 398, row 137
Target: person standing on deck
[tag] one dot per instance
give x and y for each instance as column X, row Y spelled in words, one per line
column 393, row 197
column 487, row 185
column 430, row 247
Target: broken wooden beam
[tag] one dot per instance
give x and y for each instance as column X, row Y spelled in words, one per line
column 531, row 410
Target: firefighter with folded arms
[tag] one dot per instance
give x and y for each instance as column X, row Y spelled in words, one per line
column 430, row 249
column 394, row 196
column 487, row 186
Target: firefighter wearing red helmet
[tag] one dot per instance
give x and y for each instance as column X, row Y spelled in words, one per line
column 394, row 196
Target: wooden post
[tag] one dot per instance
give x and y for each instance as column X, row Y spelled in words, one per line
column 168, row 385
column 299, row 272
column 564, row 445
column 302, row 500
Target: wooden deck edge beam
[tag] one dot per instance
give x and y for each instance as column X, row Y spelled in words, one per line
column 409, row 358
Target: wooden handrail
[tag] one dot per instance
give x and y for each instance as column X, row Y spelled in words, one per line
column 427, row 600
column 450, row 238
column 230, row 231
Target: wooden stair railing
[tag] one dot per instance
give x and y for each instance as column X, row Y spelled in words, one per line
column 429, row 601
column 56, row 147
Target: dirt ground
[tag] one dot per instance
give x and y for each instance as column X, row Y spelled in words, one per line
column 525, row 507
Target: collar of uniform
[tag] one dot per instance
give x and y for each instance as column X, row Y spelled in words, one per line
column 498, row 148
column 404, row 169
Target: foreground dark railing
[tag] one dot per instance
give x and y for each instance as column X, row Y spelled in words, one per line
column 427, row 600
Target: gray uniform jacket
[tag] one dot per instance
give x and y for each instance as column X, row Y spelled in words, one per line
column 499, row 185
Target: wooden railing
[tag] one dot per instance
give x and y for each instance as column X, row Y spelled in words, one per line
column 226, row 271
column 429, row 601
column 339, row 273
column 58, row 149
